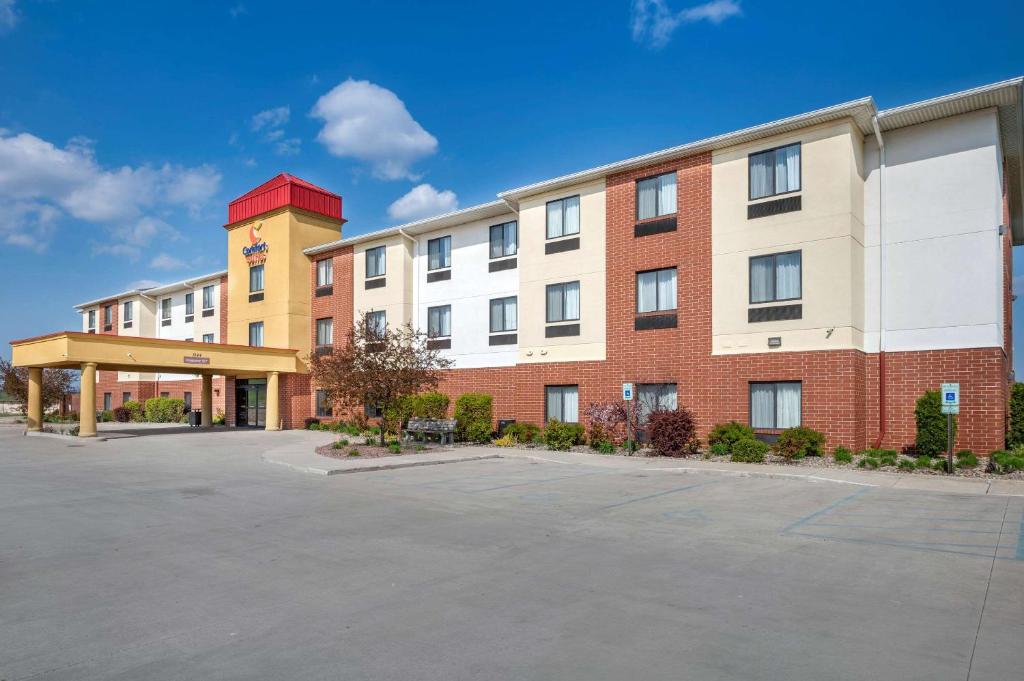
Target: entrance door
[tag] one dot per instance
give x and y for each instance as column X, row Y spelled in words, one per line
column 251, row 404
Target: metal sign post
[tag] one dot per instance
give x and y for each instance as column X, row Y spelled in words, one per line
column 627, row 397
column 950, row 393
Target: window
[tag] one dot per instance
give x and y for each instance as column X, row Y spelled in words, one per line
column 563, row 302
column 653, row 397
column 439, row 321
column 323, row 407
column 325, row 272
column 256, row 279
column 376, row 262
column 256, row 334
column 562, row 403
column 165, row 394
column 776, row 171
column 775, row 277
column 126, row 397
column 504, row 314
column 165, row 309
column 656, row 290
column 189, row 340
column 504, row 239
column 92, row 320
column 208, row 297
column 108, row 400
column 208, row 338
column 188, row 401
column 656, row 196
column 563, row 217
column 190, row 304
column 126, row 315
column 439, row 253
column 108, row 315
column 377, row 323
column 775, row 405
column 324, row 331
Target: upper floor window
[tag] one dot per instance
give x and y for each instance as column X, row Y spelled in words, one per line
column 439, row 321
column 324, row 331
column 377, row 323
column 439, row 253
column 776, row 171
column 165, row 309
column 208, row 297
column 656, row 290
column 562, row 403
column 190, row 305
column 256, row 334
column 376, row 262
column 656, row 196
column 325, row 272
column 92, row 320
column 504, row 314
column 504, row 239
column 255, row 278
column 108, row 315
column 775, row 277
column 207, row 337
column 775, row 405
column 563, row 217
column 128, row 311
column 563, row 302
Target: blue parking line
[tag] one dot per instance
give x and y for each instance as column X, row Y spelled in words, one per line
column 828, row 509
column 657, row 494
column 1020, row 539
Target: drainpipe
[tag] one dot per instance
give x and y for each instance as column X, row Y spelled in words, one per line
column 881, row 283
column 414, row 315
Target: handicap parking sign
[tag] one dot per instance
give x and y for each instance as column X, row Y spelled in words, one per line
column 950, row 393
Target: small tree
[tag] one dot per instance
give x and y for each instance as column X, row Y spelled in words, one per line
column 672, row 432
column 611, row 421
column 1015, row 435
column 378, row 369
column 931, row 425
column 14, row 381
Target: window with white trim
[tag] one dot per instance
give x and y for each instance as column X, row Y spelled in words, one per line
column 563, row 217
column 563, row 302
column 439, row 253
column 256, row 334
column 656, row 196
column 376, row 262
column 775, row 171
column 775, row 406
column 562, row 403
column 776, row 277
column 504, row 239
column 656, row 290
column 325, row 272
column 439, row 321
column 504, row 314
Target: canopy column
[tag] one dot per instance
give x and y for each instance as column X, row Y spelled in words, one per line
column 207, row 400
column 273, row 402
column 87, row 408
column 35, row 399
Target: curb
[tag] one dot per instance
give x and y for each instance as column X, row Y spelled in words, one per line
column 380, row 467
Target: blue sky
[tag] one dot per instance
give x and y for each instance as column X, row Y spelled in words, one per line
column 126, row 127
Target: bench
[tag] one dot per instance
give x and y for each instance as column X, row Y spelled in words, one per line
column 418, row 428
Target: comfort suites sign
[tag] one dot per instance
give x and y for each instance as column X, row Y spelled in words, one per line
column 256, row 252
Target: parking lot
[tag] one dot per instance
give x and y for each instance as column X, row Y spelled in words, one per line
column 185, row 556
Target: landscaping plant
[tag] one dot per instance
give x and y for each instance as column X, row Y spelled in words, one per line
column 562, row 437
column 672, row 432
column 164, row 409
column 728, row 434
column 719, row 449
column 923, row 461
column 842, row 455
column 868, row 462
column 430, row 405
column 906, row 465
column 931, row 425
column 1015, row 434
column 749, row 450
column 798, row 442
column 522, row 432
column 1007, row 462
column 473, row 417
column 14, row 381
column 966, row 459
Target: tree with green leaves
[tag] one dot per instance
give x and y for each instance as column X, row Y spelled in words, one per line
column 14, row 381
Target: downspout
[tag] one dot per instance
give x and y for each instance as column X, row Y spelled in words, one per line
column 881, row 284
column 414, row 315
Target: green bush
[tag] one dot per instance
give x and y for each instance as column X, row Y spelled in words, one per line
column 399, row 412
column 923, row 461
column 1015, row 435
column 1007, row 462
column 473, row 417
column 309, row 422
column 966, row 459
column 219, row 419
column 605, row 447
column 887, row 459
column 796, row 443
column 129, row 411
column 395, row 448
column 719, row 449
column 941, row 464
column 164, row 409
column 868, row 462
column 522, row 432
column 106, row 416
column 906, row 465
column 931, row 424
column 562, row 436
column 431, row 405
column 341, row 444
column 729, row 434
column 842, row 455
column 672, row 432
column 749, row 450
column 354, row 452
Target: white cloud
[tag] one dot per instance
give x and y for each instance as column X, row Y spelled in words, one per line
column 370, row 123
column 49, row 182
column 271, row 118
column 142, row 283
column 166, row 262
column 423, row 201
column 653, row 23
column 8, row 15
column 288, row 147
column 237, row 11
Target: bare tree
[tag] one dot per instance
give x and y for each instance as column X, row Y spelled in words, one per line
column 14, row 381
column 378, row 369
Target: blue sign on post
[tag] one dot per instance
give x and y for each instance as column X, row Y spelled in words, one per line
column 950, row 393
column 627, row 391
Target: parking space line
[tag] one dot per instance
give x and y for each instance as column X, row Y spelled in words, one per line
column 656, row 495
column 1020, row 539
column 823, row 511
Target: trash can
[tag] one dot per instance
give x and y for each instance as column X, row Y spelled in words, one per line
column 503, row 424
column 195, row 418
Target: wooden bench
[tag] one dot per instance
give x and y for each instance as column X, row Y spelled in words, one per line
column 419, row 428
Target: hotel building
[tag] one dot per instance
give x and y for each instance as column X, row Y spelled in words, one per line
column 822, row 270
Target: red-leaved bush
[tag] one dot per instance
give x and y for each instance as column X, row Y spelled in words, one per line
column 672, row 433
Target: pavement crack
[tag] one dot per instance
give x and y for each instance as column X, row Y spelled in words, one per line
column 988, row 585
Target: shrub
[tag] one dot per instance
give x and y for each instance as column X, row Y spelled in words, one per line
column 473, row 417
column 605, row 448
column 796, row 443
column 122, row 414
column 106, row 416
column 309, row 422
column 608, row 421
column 420, row 447
column 719, row 449
column 672, row 432
column 431, row 405
column 906, row 465
column 749, row 450
column 1007, row 462
column 522, row 432
column 923, row 461
column 398, row 412
column 888, row 460
column 868, row 462
column 134, row 410
column 395, row 448
column 562, row 436
column 341, row 444
column 842, row 455
column 966, row 459
column 353, row 452
column 941, row 465
column 931, row 424
column 505, row 441
column 729, row 434
column 164, row 409
column 1015, row 435
column 370, row 440
column 218, row 419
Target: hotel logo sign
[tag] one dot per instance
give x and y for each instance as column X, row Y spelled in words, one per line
column 256, row 252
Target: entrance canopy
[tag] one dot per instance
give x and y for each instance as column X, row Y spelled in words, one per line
column 89, row 352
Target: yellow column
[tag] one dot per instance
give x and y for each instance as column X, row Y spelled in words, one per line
column 35, row 399
column 207, row 400
column 87, row 406
column 273, row 411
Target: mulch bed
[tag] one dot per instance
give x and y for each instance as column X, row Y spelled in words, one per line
column 374, row 451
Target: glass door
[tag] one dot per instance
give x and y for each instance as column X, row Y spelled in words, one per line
column 251, row 404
